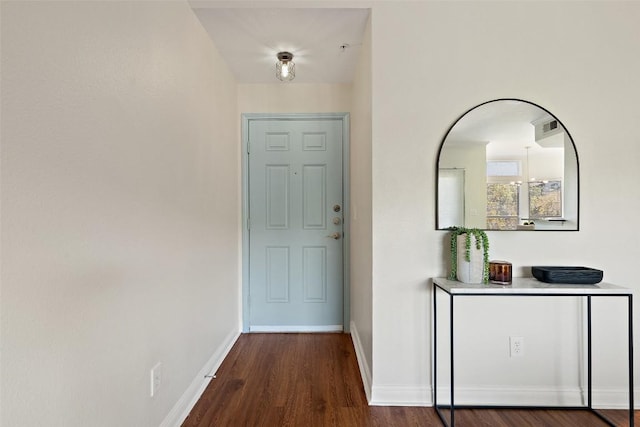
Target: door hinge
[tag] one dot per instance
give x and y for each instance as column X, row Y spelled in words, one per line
column 248, row 223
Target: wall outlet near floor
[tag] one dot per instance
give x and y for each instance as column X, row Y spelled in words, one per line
column 156, row 378
column 516, row 346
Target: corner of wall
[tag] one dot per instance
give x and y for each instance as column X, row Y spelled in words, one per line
column 365, row 370
column 190, row 397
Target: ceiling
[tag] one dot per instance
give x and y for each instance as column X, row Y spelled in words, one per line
column 249, row 39
column 506, row 127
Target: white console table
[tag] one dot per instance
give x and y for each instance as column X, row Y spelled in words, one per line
column 526, row 287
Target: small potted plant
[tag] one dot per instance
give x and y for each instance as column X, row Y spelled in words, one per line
column 470, row 265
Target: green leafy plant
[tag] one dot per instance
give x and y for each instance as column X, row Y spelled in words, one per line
column 481, row 241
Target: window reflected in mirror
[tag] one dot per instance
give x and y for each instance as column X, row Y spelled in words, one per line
column 508, row 165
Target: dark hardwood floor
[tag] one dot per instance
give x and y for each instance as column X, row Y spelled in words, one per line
column 313, row 380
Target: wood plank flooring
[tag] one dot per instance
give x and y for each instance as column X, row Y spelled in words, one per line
column 311, row 380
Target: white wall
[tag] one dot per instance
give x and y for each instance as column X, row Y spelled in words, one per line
column 294, row 98
column 473, row 160
column 120, row 210
column 455, row 55
column 361, row 249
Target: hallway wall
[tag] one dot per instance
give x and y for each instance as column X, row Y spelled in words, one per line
column 120, row 210
column 361, row 214
column 571, row 57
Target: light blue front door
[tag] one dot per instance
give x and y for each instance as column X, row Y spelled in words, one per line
column 295, row 225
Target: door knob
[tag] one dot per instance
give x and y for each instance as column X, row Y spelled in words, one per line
column 335, row 235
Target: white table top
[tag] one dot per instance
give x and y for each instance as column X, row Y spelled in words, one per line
column 529, row 285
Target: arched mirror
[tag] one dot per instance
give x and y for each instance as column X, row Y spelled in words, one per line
column 508, row 164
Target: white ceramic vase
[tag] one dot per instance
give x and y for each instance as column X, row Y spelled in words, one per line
column 469, row 271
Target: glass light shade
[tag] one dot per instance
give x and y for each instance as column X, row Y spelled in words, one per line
column 285, row 71
column 285, row 67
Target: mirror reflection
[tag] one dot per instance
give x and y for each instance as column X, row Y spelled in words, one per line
column 508, row 164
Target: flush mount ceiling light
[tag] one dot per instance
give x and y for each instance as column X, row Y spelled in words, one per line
column 285, row 67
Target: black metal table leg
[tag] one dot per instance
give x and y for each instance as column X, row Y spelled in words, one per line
column 630, row 318
column 438, row 407
column 435, row 357
column 589, row 372
column 435, row 349
column 452, row 359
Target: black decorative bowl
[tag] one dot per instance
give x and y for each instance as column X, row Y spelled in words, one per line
column 569, row 275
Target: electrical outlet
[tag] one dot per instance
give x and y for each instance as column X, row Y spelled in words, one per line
column 156, row 378
column 516, row 346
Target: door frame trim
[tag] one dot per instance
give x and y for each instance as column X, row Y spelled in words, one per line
column 344, row 117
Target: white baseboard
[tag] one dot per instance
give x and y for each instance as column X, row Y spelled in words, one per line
column 401, row 395
column 398, row 395
column 295, row 328
column 190, row 397
column 513, row 396
column 365, row 372
column 613, row 399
